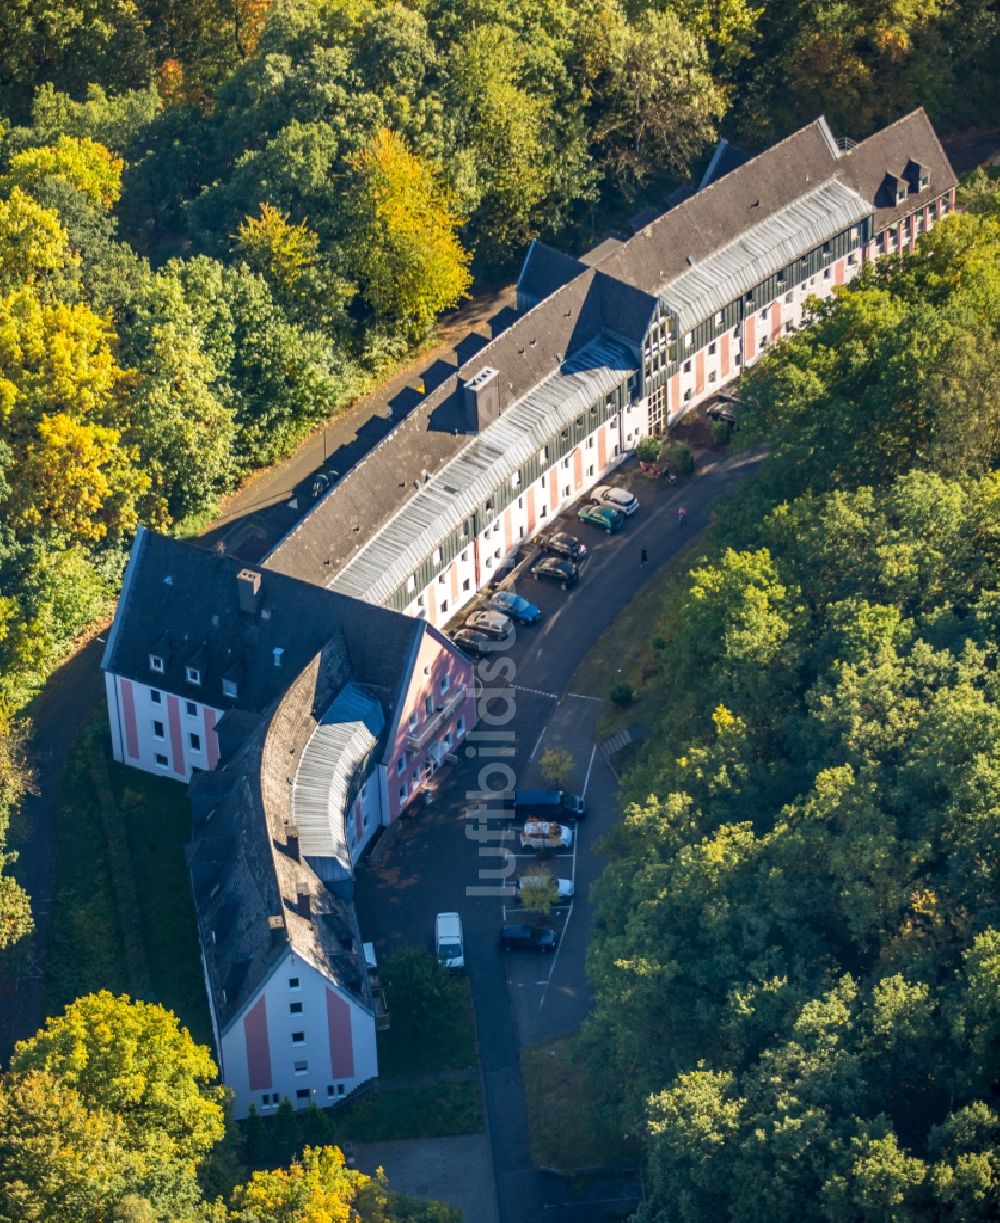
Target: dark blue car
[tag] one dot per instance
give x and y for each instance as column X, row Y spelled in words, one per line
column 514, row 606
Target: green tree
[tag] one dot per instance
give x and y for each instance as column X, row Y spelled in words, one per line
column 556, row 764
column 403, row 246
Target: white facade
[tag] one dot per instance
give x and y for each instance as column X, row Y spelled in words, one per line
column 300, row 1038
column 158, row 731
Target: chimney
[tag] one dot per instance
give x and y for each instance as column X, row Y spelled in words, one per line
column 292, row 840
column 248, row 585
column 482, row 398
column 276, row 925
column 304, row 901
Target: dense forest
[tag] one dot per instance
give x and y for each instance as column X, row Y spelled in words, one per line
column 797, row 942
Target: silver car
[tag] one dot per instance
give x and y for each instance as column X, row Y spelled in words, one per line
column 492, row 623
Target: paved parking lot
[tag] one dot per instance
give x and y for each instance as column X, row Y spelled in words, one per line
column 448, row 858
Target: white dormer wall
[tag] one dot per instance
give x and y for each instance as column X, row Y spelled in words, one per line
column 258, row 1055
column 366, row 814
column 159, row 731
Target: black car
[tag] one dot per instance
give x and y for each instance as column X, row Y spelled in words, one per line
column 563, row 572
column 474, row 643
column 527, row 938
column 567, row 546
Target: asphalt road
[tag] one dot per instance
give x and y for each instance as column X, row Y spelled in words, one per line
column 444, row 859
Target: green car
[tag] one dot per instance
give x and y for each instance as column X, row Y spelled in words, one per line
column 601, row 516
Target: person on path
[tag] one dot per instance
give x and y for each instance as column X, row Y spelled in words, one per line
column 682, row 515
column 643, row 557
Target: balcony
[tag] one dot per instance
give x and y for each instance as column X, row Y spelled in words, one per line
column 420, row 737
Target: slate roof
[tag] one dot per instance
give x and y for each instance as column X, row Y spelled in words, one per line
column 544, row 270
column 247, row 884
column 186, row 598
column 725, row 158
column 487, row 461
column 616, row 296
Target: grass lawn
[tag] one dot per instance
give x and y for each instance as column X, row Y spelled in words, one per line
column 436, row 1110
column 85, row 951
column 566, row 1123
column 448, row 1043
column 625, row 652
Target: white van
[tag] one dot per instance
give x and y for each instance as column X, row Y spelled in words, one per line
column 448, row 940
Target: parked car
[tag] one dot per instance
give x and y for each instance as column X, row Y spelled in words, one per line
column 448, row 940
column 548, row 804
column 492, row 623
column 564, row 887
column 473, row 642
column 526, row 938
column 514, row 606
column 566, row 546
column 544, row 834
column 616, row 498
column 563, row 572
column 601, row 516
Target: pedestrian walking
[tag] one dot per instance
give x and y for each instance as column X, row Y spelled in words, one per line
column 643, row 557
column 682, row 515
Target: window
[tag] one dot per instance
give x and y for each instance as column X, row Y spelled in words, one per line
column 293, row 983
column 711, row 349
column 162, row 761
column 330, row 1090
column 687, row 367
column 298, row 1038
column 445, row 682
column 460, row 728
column 156, row 663
column 158, row 730
column 192, row 709
column 712, row 376
column 402, row 793
column 764, row 341
column 301, row 1067
column 765, row 312
column 428, row 705
column 303, row 1093
column 827, row 273
column 229, row 687
column 789, row 298
column 401, row 764
column 590, row 470
column 467, row 585
column 295, row 1008
column 465, row 555
column 195, row 742
column 852, row 258
column 269, row 1100
column 414, row 719
column 156, row 696
column 687, row 396
column 441, row 577
column 789, row 328
column 444, row 606
column 193, row 675
column 720, row 318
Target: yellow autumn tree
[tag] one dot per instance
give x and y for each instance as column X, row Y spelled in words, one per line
column 84, row 163
column 33, row 243
column 403, row 246
column 319, row 1189
column 282, row 251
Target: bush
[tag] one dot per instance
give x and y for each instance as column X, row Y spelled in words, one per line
column 556, row 765
column 722, row 431
column 681, row 459
column 622, row 695
column 648, row 449
column 417, row 987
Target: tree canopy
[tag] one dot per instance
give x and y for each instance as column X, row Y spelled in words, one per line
column 796, row 954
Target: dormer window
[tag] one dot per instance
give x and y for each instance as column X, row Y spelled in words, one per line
column 924, row 180
column 193, row 675
column 900, row 193
column 229, row 688
column 156, row 663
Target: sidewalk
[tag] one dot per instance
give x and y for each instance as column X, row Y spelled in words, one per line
column 454, row 1170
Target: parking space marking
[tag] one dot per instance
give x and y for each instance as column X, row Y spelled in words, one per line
column 582, row 696
column 590, row 765
column 569, row 914
column 538, row 741
column 552, row 696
